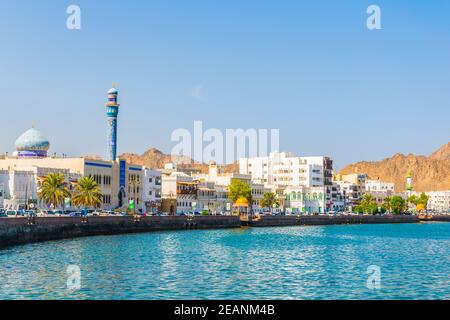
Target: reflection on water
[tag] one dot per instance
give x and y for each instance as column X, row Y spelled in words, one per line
column 325, row 262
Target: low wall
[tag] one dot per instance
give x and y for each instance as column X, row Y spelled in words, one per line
column 442, row 218
column 277, row 221
column 14, row 231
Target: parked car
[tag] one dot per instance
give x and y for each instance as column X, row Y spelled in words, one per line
column 12, row 213
column 30, row 213
column 107, row 213
column 75, row 214
column 42, row 213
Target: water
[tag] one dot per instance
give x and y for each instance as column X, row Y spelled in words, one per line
column 323, row 262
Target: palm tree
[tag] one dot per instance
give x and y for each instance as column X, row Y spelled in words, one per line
column 87, row 193
column 368, row 203
column 53, row 190
column 387, row 204
column 269, row 200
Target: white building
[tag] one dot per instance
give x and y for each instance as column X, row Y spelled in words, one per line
column 151, row 190
column 303, row 199
column 19, row 186
column 338, row 198
column 379, row 186
column 439, row 201
column 282, row 170
column 380, row 190
column 220, row 178
column 223, row 204
column 258, row 191
column 206, row 197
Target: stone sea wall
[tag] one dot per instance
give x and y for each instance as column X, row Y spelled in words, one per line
column 272, row 221
column 14, row 231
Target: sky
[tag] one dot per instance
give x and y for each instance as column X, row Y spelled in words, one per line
column 309, row 68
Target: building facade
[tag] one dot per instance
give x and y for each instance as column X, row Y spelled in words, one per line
column 151, row 190
column 439, row 201
column 352, row 186
column 179, row 193
column 283, row 170
column 301, row 200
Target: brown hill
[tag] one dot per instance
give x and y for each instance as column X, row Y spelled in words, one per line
column 443, row 153
column 429, row 173
column 154, row 158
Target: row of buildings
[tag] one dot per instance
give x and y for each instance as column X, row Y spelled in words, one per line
column 301, row 184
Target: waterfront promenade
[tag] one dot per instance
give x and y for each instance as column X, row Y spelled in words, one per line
column 16, row 231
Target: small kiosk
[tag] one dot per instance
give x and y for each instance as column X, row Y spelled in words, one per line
column 240, row 208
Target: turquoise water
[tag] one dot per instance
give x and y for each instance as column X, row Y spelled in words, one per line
column 324, row 262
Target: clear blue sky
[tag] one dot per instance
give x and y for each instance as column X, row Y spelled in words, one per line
column 310, row 68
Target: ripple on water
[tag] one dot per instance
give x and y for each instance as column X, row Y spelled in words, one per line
column 323, row 262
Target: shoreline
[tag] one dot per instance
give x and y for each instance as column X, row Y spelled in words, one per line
column 18, row 231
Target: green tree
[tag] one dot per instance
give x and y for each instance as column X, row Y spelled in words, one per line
column 423, row 199
column 358, row 209
column 398, row 205
column 87, row 193
column 420, row 202
column 368, row 204
column 387, row 204
column 269, row 200
column 413, row 199
column 53, row 190
column 239, row 189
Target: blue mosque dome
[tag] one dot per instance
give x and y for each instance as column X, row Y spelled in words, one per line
column 32, row 144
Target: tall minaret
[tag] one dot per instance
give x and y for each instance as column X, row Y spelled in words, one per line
column 409, row 183
column 112, row 111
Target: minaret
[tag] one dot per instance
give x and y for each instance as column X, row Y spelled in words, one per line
column 112, row 111
column 409, row 183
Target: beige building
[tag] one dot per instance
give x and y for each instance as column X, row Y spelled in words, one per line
column 179, row 193
column 119, row 181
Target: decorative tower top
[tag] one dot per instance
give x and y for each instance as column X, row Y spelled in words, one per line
column 112, row 111
column 112, row 97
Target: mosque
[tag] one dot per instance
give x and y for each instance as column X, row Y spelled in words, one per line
column 21, row 173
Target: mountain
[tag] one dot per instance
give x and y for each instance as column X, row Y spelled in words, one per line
column 156, row 159
column 443, row 153
column 430, row 173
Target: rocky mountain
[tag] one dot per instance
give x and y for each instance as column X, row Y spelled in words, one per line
column 156, row 159
column 443, row 153
column 429, row 173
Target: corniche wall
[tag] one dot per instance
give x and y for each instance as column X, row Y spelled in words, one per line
column 15, row 231
column 273, row 221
